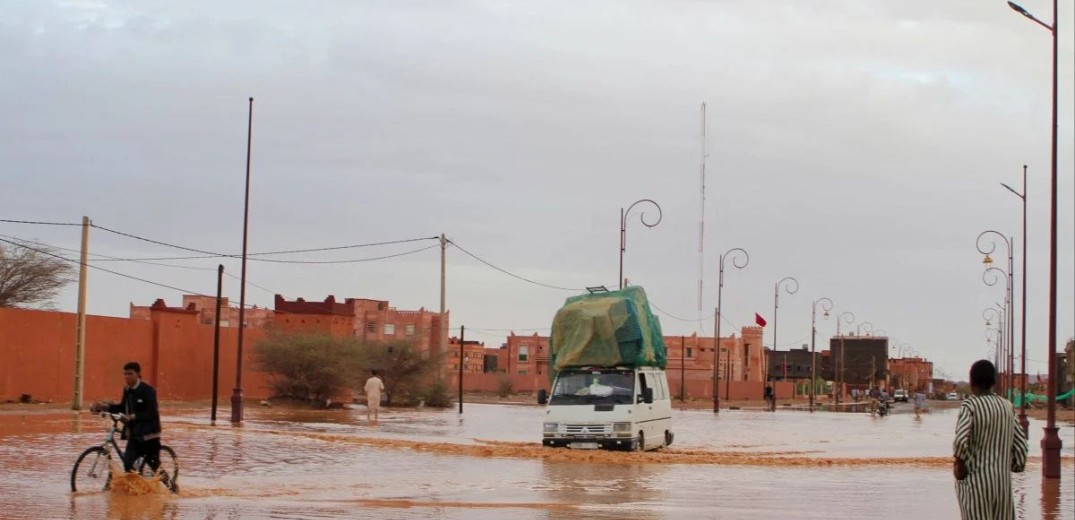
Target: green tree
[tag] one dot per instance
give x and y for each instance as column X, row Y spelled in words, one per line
column 409, row 375
column 309, row 366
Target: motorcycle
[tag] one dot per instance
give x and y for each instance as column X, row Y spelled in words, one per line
column 882, row 408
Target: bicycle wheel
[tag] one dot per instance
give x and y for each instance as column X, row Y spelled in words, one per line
column 92, row 471
column 168, row 471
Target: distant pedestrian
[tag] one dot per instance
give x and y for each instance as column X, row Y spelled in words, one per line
column 770, row 398
column 919, row 402
column 374, row 387
column 989, row 446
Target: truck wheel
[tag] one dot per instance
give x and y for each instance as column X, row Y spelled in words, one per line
column 668, row 437
column 641, row 446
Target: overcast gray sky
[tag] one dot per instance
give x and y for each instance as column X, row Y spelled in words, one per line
column 856, row 145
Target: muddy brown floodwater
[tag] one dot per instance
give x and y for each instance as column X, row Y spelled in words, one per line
column 488, row 463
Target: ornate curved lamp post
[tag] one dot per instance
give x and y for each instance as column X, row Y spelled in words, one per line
column 826, row 305
column 986, row 244
column 997, row 313
column 990, row 277
column 867, row 325
column 791, row 285
column 837, row 375
column 624, row 213
column 737, row 254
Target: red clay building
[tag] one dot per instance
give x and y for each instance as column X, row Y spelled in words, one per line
column 910, row 374
column 257, row 318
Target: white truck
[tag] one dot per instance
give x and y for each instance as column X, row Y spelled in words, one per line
column 608, row 407
column 610, row 389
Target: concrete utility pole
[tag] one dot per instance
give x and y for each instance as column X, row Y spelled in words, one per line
column 462, row 352
column 237, row 392
column 80, row 327
column 442, row 344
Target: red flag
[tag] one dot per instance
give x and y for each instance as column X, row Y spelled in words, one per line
column 759, row 320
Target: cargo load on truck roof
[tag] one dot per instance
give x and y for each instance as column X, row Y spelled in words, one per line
column 606, row 329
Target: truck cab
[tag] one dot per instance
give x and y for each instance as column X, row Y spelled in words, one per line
column 620, row 407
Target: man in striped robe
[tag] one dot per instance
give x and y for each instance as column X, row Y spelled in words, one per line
column 989, row 445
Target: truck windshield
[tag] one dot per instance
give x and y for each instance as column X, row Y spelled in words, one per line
column 594, row 387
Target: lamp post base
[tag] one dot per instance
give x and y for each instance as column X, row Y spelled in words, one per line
column 1050, row 452
column 237, row 406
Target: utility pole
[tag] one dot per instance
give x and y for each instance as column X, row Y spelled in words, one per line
column 237, row 392
column 716, row 360
column 682, row 369
column 442, row 344
column 462, row 345
column 873, row 370
column 80, row 327
column 216, row 339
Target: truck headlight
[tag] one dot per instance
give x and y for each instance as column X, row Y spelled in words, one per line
column 551, row 427
column 621, row 427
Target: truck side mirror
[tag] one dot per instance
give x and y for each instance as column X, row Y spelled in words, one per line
column 543, row 396
column 647, row 395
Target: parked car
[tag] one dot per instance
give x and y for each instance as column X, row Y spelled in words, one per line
column 952, row 396
column 900, row 395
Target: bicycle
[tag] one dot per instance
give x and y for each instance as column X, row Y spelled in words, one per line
column 93, row 468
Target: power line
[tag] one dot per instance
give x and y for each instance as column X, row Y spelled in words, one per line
column 513, row 275
column 151, row 241
column 674, row 317
column 166, row 286
column 113, row 258
column 349, row 261
column 39, row 223
column 210, row 254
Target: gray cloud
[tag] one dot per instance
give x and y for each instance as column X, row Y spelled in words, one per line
column 854, row 145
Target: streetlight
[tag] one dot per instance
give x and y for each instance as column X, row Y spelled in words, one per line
column 989, row 276
column 237, row 392
column 1051, row 443
column 1022, row 330
column 736, row 254
column 999, row 314
column 791, row 285
column 826, row 305
column 623, row 227
column 1009, row 364
column 839, row 363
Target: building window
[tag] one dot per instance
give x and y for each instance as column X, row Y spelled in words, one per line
column 389, row 329
column 371, row 326
column 409, row 330
column 690, row 352
column 524, row 353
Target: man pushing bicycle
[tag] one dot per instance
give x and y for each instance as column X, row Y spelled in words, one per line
column 138, row 411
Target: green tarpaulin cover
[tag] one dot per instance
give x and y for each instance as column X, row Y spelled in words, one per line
column 606, row 329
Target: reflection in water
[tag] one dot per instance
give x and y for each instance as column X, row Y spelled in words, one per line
column 1050, row 499
column 630, row 487
column 139, row 507
column 432, row 464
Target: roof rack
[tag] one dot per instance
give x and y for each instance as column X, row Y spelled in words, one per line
column 597, row 289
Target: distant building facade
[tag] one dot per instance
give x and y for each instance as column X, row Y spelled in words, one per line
column 257, row 318
column 863, row 361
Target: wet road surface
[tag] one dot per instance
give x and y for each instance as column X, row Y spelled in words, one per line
column 487, row 463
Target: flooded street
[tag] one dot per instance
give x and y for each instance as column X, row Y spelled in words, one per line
column 488, row 463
